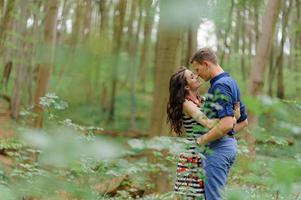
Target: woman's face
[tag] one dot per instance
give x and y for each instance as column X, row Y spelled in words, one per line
column 192, row 80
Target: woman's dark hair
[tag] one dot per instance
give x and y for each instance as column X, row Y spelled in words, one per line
column 177, row 94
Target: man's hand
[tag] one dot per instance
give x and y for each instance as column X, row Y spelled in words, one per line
column 222, row 128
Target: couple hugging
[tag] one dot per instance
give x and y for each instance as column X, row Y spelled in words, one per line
column 211, row 122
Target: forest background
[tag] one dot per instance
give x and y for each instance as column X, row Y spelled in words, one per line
column 84, row 87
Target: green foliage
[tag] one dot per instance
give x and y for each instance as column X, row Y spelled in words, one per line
column 10, row 144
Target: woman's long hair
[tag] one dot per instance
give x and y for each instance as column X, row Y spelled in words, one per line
column 177, row 94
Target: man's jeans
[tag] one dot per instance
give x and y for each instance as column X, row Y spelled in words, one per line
column 217, row 165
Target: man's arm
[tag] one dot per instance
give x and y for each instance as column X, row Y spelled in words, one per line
column 221, row 129
column 241, row 125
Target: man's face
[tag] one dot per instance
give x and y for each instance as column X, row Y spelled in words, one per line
column 201, row 70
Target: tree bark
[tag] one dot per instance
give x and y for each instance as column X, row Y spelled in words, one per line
column 259, row 62
column 45, row 68
column 1, row 9
column 237, row 36
column 227, row 33
column 21, row 68
column 118, row 27
column 77, row 28
column 104, row 18
column 145, row 54
column 168, row 57
column 192, row 40
column 4, row 26
column 263, row 47
column 279, row 62
column 270, row 75
column 243, row 46
column 104, row 52
column 298, row 46
column 130, row 25
column 134, row 48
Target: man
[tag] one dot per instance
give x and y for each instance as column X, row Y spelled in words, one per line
column 222, row 95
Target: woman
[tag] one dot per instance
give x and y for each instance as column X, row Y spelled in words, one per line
column 183, row 110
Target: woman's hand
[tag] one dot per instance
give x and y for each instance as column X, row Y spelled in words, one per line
column 237, row 110
column 201, row 140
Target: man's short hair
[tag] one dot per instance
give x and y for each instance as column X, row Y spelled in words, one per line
column 204, row 54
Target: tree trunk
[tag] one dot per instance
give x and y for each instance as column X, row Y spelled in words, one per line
column 237, row 29
column 130, row 25
column 259, row 62
column 167, row 59
column 77, row 28
column 36, row 33
column 1, row 9
column 118, row 27
column 263, row 46
column 62, row 22
column 105, row 52
column 145, row 54
column 243, row 46
column 87, row 16
column 298, row 46
column 134, row 48
column 256, row 14
column 104, row 17
column 4, row 26
column 270, row 75
column 279, row 62
column 21, row 67
column 45, row 68
column 227, row 33
column 192, row 40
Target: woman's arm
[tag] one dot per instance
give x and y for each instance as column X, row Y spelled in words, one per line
column 192, row 110
column 240, row 126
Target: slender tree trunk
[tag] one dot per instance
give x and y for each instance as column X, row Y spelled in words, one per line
column 262, row 50
column 104, row 17
column 1, row 9
column 105, row 52
column 87, row 16
column 46, row 67
column 192, row 40
column 298, row 46
column 131, row 35
column 77, row 30
column 256, row 14
column 279, row 62
column 259, row 62
column 118, row 26
column 62, row 22
column 133, row 54
column 4, row 26
column 270, row 75
column 36, row 33
column 167, row 59
column 21, row 68
column 243, row 46
column 130, row 32
column 227, row 33
column 145, row 54
column 237, row 30
column 87, row 19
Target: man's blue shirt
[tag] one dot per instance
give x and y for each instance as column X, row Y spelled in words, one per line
column 222, row 95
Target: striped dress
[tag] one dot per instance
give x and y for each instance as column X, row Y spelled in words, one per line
column 190, row 173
